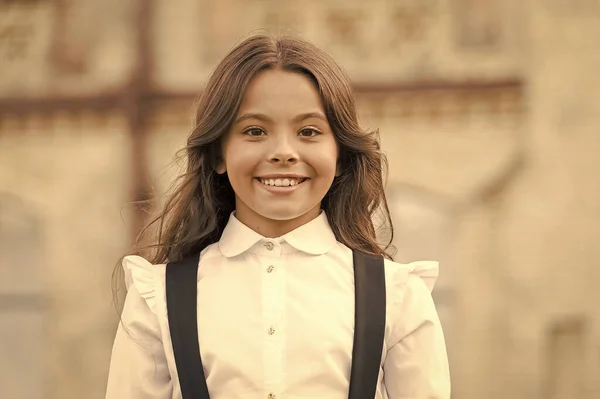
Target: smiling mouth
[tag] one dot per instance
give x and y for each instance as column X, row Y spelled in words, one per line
column 282, row 182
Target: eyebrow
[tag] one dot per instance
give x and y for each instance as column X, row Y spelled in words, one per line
column 265, row 118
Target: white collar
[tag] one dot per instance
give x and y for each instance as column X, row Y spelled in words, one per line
column 314, row 237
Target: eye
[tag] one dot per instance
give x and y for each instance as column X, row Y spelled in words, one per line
column 309, row 132
column 254, row 131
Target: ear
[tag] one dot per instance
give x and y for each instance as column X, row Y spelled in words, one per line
column 338, row 169
column 220, row 168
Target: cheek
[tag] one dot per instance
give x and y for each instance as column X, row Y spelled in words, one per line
column 324, row 161
column 239, row 161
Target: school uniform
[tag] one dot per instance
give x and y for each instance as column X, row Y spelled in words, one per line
column 276, row 320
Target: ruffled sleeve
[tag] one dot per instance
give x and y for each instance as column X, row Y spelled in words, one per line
column 142, row 274
column 427, row 271
column 138, row 367
column 416, row 363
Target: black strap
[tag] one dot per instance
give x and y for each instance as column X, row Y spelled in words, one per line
column 369, row 324
column 369, row 330
column 182, row 286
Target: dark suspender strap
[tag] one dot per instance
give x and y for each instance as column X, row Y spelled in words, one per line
column 181, row 292
column 369, row 325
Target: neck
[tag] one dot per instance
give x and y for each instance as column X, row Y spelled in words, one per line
column 272, row 228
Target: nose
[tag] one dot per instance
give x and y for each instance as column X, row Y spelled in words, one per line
column 283, row 152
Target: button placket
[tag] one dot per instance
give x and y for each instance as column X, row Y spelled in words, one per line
column 273, row 313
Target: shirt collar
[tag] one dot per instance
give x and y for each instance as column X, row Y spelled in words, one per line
column 314, row 237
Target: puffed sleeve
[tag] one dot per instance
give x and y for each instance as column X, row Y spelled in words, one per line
column 138, row 367
column 416, row 364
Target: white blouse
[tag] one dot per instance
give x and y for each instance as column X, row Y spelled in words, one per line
column 276, row 320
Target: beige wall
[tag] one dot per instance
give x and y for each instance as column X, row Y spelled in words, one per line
column 72, row 172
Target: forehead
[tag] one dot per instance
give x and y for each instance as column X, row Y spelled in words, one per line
column 281, row 92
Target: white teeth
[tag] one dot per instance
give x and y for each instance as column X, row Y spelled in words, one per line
column 286, row 182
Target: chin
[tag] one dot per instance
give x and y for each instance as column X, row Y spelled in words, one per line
column 282, row 214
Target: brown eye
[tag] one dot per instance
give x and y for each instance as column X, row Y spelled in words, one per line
column 254, row 132
column 309, row 132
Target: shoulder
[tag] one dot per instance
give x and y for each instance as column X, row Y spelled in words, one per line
column 148, row 280
column 144, row 278
column 399, row 275
column 408, row 292
column 409, row 285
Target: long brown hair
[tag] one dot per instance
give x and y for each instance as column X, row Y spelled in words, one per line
column 196, row 213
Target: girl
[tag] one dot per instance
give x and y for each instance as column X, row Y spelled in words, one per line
column 281, row 188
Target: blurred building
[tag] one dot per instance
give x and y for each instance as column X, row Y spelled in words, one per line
column 489, row 112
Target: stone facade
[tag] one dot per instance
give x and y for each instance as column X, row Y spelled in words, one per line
column 489, row 116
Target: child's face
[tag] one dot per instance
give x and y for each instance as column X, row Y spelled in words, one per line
column 280, row 153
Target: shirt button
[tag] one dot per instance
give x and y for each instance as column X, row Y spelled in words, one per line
column 269, row 245
column 271, row 331
column 271, row 396
column 270, row 268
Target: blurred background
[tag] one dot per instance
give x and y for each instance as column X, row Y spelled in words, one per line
column 489, row 111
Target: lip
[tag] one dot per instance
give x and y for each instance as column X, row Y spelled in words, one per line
column 279, row 190
column 282, row 176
